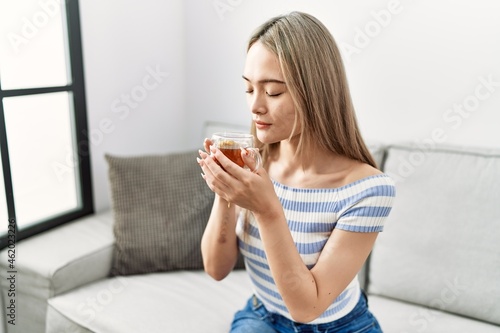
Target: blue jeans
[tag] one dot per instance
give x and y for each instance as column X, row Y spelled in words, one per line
column 254, row 318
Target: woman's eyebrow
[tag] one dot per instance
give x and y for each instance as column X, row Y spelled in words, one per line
column 264, row 80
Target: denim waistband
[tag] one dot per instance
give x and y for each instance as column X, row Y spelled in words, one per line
column 359, row 310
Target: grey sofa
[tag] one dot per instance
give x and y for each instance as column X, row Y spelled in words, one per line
column 435, row 268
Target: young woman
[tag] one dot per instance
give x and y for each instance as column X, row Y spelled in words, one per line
column 306, row 221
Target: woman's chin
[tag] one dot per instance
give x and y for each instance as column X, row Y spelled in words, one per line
column 265, row 139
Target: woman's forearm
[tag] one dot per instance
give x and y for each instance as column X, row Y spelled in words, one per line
column 296, row 284
column 308, row 293
column 219, row 245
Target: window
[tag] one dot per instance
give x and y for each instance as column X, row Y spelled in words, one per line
column 44, row 150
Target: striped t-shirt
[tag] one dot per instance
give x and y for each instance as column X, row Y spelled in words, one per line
column 312, row 214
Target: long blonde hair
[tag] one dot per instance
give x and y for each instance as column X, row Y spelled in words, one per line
column 315, row 76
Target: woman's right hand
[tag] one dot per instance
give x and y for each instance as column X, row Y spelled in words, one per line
column 218, row 245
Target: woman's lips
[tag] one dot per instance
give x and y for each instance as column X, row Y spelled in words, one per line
column 261, row 125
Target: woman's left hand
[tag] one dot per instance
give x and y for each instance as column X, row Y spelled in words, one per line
column 252, row 190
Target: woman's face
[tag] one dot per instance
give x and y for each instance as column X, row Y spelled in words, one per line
column 267, row 95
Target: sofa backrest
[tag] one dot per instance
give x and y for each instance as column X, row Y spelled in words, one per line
column 441, row 244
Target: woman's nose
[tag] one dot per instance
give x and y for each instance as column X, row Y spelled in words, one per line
column 257, row 103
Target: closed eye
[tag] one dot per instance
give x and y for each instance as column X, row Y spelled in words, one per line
column 273, row 94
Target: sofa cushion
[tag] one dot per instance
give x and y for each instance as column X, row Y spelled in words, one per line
column 181, row 301
column 161, row 205
column 56, row 261
column 399, row 317
column 440, row 246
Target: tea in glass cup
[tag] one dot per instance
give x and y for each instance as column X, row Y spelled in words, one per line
column 230, row 144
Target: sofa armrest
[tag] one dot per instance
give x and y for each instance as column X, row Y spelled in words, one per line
column 89, row 243
column 69, row 256
column 57, row 261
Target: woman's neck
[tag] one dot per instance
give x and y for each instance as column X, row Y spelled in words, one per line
column 314, row 167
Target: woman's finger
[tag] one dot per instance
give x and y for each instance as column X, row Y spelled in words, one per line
column 216, row 178
column 206, row 144
column 229, row 168
column 249, row 159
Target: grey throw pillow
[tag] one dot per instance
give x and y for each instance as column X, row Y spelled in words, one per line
column 161, row 206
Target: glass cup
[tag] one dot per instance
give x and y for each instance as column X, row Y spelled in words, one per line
column 229, row 143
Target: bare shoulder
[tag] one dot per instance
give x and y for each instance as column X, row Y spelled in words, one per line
column 350, row 172
column 359, row 171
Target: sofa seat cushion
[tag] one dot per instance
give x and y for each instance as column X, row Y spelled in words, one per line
column 395, row 316
column 181, row 301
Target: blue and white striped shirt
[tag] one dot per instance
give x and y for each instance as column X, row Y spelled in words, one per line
column 312, row 214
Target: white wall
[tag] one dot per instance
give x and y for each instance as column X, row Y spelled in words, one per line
column 405, row 78
column 123, row 42
column 406, row 73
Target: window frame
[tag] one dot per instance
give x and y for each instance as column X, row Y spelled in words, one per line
column 77, row 89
